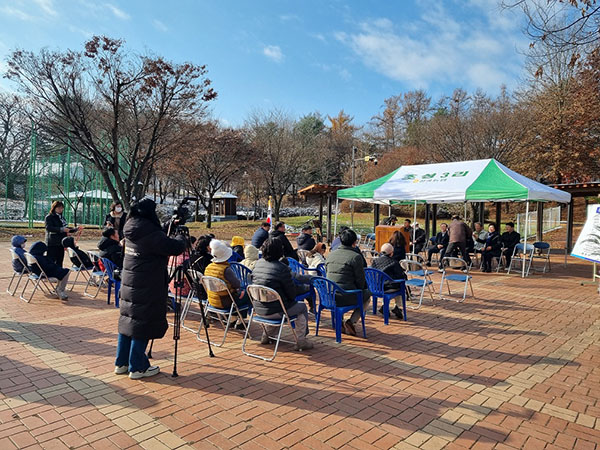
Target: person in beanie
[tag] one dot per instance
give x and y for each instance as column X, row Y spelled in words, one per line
column 50, row 268
column 221, row 269
column 251, row 253
column 237, row 245
column 144, row 288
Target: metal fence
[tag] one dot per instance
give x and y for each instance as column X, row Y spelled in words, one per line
column 551, row 221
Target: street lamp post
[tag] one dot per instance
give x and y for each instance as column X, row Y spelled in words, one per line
column 367, row 158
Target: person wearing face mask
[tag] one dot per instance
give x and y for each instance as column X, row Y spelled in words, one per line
column 116, row 218
column 56, row 231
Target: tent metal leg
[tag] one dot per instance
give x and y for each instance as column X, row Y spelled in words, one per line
column 525, row 244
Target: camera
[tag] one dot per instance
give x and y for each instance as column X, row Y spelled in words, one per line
column 176, row 225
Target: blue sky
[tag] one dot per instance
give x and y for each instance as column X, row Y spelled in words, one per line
column 298, row 56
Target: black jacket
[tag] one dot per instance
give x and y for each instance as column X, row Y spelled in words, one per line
column 144, row 280
column 275, row 275
column 391, row 267
column 260, row 236
column 288, row 250
column 305, row 241
column 110, row 219
column 84, row 258
column 442, row 239
column 510, row 240
column 54, row 224
column 111, row 250
column 493, row 240
column 51, row 269
column 399, row 253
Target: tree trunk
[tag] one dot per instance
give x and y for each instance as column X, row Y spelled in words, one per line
column 209, row 213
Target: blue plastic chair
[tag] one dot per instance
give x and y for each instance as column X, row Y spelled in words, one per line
column 326, row 290
column 376, row 282
column 243, row 274
column 321, row 272
column 300, row 269
column 110, row 273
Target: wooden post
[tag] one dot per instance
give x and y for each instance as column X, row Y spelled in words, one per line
column 375, row 217
column 321, row 210
column 570, row 226
column 540, row 221
column 498, row 217
column 434, row 220
column 427, row 216
column 329, row 219
column 481, row 215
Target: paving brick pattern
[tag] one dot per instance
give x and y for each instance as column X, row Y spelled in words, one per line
column 517, row 367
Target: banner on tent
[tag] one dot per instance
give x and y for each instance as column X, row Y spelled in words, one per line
column 588, row 243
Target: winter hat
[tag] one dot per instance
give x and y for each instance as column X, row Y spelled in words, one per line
column 18, row 240
column 251, row 252
column 145, row 208
column 220, row 250
column 237, row 240
column 387, row 249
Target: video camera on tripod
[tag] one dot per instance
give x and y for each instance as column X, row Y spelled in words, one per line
column 176, row 224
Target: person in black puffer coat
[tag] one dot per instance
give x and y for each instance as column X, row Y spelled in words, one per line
column 144, row 284
column 269, row 271
column 56, row 231
column 279, row 233
column 390, row 267
column 50, row 268
column 110, row 247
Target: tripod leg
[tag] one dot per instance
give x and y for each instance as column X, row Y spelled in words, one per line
column 150, row 349
column 203, row 314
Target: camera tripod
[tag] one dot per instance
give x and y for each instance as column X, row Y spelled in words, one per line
column 179, row 273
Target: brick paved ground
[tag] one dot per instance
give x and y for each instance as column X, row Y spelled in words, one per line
column 516, row 368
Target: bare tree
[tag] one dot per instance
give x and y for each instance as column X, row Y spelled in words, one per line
column 121, row 111
column 15, row 130
column 278, row 156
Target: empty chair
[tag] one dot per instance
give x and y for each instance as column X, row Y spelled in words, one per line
column 418, row 258
column 418, row 278
column 233, row 312
column 459, row 265
column 522, row 255
column 17, row 274
column 262, row 294
column 376, row 282
column 326, row 291
column 542, row 251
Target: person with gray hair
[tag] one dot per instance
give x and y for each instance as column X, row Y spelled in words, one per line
column 391, row 267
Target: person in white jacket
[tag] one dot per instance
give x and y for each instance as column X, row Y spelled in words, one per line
column 316, row 256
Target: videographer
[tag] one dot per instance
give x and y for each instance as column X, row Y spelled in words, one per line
column 143, row 294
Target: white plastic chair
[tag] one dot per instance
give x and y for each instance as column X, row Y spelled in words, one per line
column 260, row 294
column 418, row 278
column 217, row 285
column 48, row 284
column 25, row 272
column 460, row 265
column 522, row 255
column 192, row 298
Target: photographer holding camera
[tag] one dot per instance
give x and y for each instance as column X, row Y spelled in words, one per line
column 143, row 294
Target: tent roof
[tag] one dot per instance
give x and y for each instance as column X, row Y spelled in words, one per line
column 455, row 182
column 95, row 194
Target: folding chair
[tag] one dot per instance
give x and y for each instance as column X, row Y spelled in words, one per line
column 376, row 282
column 452, row 263
column 522, row 255
column 418, row 278
column 418, row 258
column 193, row 297
column 302, row 254
column 326, row 290
column 264, row 294
column 500, row 260
column 110, row 273
column 242, row 273
column 48, row 284
column 78, row 268
column 542, row 251
column 25, row 271
column 217, row 285
column 96, row 276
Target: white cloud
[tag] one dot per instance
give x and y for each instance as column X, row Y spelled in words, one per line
column 15, row 12
column 119, row 13
column 47, row 6
column 160, row 26
column 289, row 17
column 273, row 52
column 438, row 48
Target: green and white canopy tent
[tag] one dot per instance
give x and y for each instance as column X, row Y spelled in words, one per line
column 482, row 180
